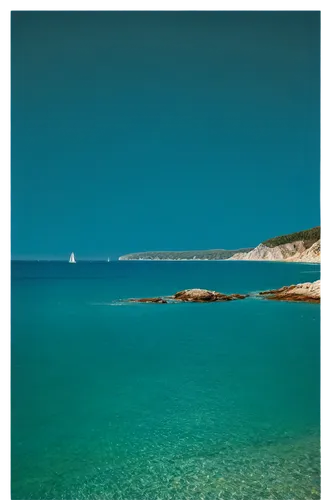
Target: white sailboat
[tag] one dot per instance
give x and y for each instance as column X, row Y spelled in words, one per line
column 72, row 259
column 108, row 259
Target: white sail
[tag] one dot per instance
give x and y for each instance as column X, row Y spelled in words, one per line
column 108, row 259
column 72, row 259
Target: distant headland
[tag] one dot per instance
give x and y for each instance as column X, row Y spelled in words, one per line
column 185, row 255
column 303, row 246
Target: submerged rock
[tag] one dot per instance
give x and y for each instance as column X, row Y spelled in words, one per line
column 303, row 292
column 154, row 300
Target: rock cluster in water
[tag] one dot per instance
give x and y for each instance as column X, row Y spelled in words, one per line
column 304, row 292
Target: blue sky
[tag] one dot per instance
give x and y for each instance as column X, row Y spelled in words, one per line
column 135, row 131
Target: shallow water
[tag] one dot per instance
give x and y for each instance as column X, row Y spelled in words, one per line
column 162, row 401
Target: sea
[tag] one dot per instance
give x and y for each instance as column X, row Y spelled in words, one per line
column 127, row 401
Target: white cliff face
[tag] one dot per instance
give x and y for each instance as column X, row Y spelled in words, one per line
column 290, row 252
column 312, row 254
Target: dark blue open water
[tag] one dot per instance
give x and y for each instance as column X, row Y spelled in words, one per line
column 149, row 401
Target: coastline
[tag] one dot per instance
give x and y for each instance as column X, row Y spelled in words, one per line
column 303, row 246
column 221, row 260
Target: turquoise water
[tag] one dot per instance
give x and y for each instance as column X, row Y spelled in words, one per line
column 163, row 401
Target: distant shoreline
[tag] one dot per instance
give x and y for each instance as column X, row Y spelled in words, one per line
column 217, row 260
column 303, row 246
column 161, row 260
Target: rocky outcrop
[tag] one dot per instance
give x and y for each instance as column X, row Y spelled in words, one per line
column 192, row 295
column 289, row 252
column 200, row 295
column 303, row 292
